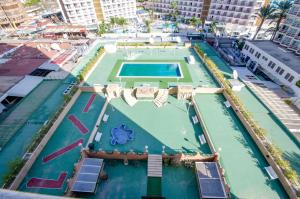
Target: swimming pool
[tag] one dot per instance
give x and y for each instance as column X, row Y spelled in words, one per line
column 150, row 70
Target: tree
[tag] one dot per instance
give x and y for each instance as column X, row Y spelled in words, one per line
column 282, row 7
column 113, row 21
column 174, row 8
column 121, row 21
column 102, row 29
column 195, row 21
column 32, row 2
column 148, row 25
column 265, row 12
column 213, row 26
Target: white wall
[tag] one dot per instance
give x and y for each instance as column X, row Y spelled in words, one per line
column 264, row 65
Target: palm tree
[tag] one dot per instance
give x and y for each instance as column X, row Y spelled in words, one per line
column 102, row 28
column 213, row 26
column 148, row 25
column 113, row 21
column 121, row 21
column 174, row 9
column 282, row 7
column 265, row 12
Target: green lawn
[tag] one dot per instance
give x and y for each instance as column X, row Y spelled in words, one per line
column 163, row 82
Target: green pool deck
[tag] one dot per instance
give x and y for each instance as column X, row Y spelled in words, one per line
column 154, row 186
column 64, row 135
column 126, row 182
column 130, row 182
column 199, row 74
column 168, row 126
column 276, row 132
column 240, row 157
column 25, row 134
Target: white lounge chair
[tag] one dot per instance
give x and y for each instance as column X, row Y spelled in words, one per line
column 191, row 59
column 98, row 136
column 202, row 139
column 271, row 173
column 195, row 119
column 105, row 117
column 227, row 104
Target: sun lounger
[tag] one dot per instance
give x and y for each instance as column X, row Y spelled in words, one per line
column 105, row 117
column 202, row 139
column 195, row 119
column 271, row 173
column 227, row 104
column 98, row 136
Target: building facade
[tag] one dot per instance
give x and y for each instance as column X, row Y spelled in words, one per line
column 92, row 12
column 186, row 8
column 289, row 33
column 233, row 15
column 236, row 16
column 275, row 61
column 12, row 13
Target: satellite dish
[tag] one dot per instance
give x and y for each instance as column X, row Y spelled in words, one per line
column 235, row 74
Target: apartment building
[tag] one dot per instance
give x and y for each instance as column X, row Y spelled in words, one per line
column 235, row 16
column 92, row 12
column 12, row 13
column 275, row 61
column 186, row 8
column 289, row 33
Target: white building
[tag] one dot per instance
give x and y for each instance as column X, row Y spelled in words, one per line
column 92, row 12
column 279, row 64
column 289, row 33
column 118, row 8
column 236, row 16
column 186, row 8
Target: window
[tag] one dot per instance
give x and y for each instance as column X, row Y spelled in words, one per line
column 278, row 69
column 251, row 50
column 271, row 64
column 257, row 54
column 281, row 71
column 264, row 58
column 287, row 76
column 246, row 47
column 291, row 78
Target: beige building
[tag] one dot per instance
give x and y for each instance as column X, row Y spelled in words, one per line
column 12, row 13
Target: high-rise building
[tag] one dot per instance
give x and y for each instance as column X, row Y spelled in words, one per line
column 92, row 12
column 235, row 15
column 289, row 33
column 12, row 13
column 186, row 8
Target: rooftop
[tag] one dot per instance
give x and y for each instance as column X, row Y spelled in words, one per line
column 281, row 54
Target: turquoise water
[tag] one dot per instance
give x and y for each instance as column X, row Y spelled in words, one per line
column 150, row 70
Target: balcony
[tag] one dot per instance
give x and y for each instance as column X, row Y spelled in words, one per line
column 293, row 47
column 277, row 39
column 283, row 30
column 291, row 34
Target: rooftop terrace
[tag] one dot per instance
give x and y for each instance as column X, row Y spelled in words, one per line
column 281, row 54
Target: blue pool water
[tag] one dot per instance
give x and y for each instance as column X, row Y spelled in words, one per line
column 150, row 70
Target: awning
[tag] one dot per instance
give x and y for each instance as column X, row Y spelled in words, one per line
column 25, row 86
